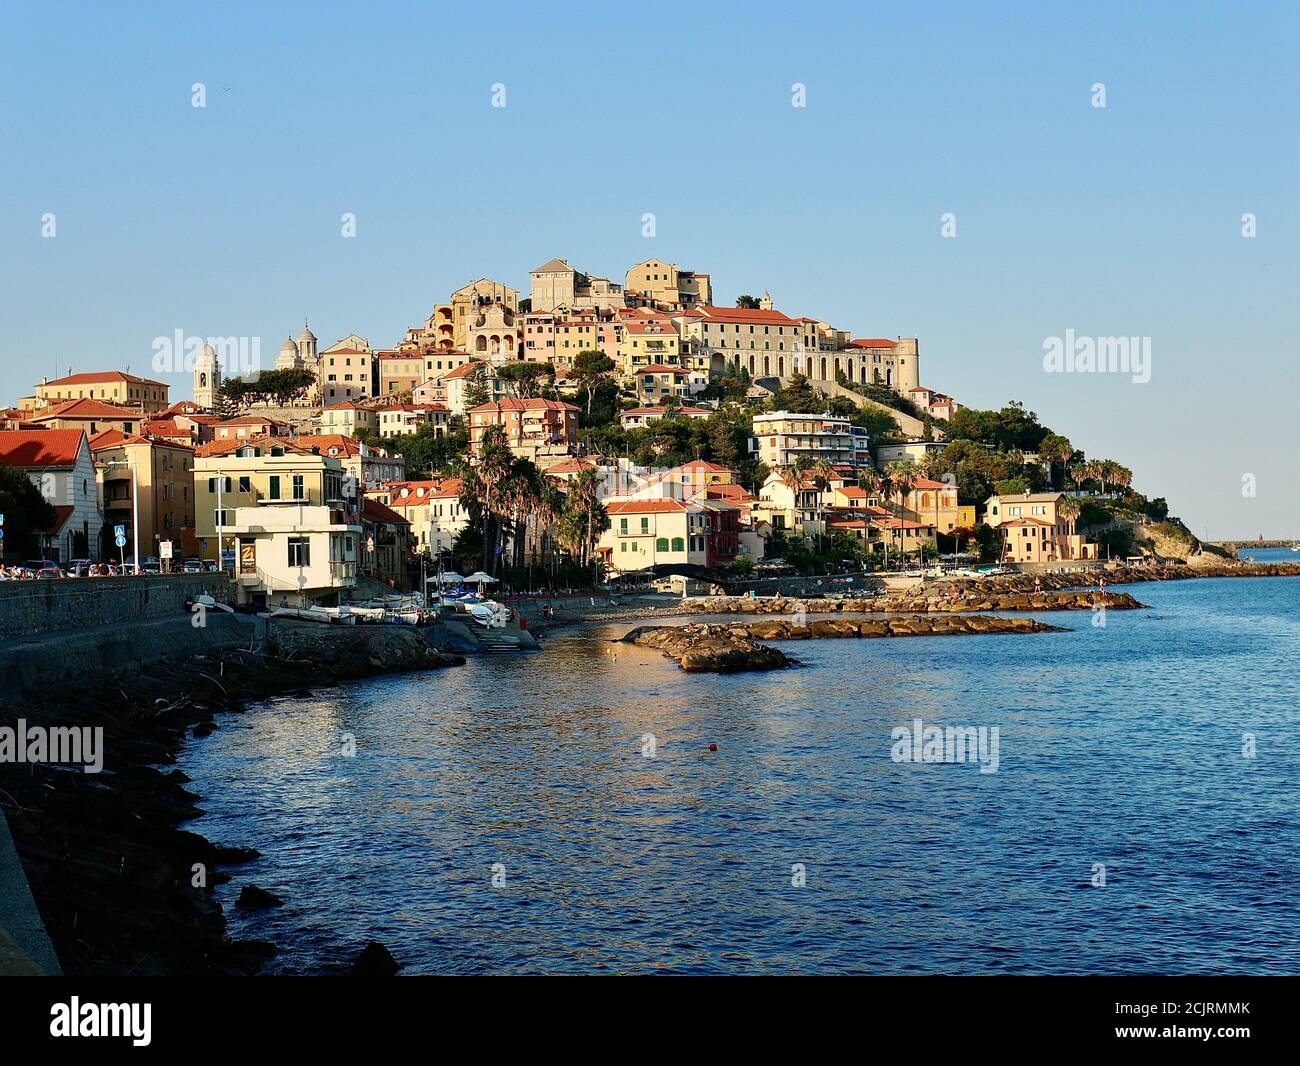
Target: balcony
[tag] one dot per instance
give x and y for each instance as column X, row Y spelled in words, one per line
column 343, row 571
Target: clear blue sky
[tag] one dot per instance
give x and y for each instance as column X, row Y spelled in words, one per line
column 1123, row 221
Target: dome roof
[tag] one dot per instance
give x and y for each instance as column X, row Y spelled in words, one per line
column 306, row 334
column 289, row 346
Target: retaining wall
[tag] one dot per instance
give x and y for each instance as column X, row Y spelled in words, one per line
column 28, row 607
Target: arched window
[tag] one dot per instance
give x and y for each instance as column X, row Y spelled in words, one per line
column 679, row 544
column 480, row 344
column 661, row 545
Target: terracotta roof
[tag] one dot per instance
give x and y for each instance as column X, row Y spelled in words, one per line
column 644, row 506
column 1026, row 522
column 377, row 512
column 465, row 369
column 741, row 315
column 704, row 464
column 33, row 448
column 512, row 404
column 660, row 368
column 571, row 466
column 250, row 420
column 93, row 377
column 264, row 440
column 88, row 409
column 927, row 483
column 875, row 342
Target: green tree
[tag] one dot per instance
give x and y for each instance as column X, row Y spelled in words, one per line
column 591, row 365
column 25, row 512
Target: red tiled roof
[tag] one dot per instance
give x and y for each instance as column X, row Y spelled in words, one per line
column 512, row 404
column 465, row 369
column 88, row 409
column 377, row 512
column 644, row 506
column 93, row 377
column 660, row 368
column 31, row 448
column 875, row 342
column 742, row 315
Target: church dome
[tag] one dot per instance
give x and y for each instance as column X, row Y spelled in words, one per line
column 306, row 335
column 288, row 346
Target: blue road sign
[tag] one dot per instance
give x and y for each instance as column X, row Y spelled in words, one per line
column 119, row 531
column 120, row 540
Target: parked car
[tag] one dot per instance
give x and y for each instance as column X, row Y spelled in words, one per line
column 49, row 572
column 193, row 566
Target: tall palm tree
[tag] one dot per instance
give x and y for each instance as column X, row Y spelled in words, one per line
column 822, row 470
column 904, row 478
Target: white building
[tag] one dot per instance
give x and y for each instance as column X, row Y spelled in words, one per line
column 293, row 553
column 59, row 464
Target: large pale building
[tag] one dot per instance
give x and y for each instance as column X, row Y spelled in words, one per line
column 1034, row 530
column 784, row 436
column 545, row 431
column 557, row 284
column 287, row 524
column 164, row 487
column 112, row 387
column 469, row 300
column 763, row 342
column 668, row 287
column 494, row 333
column 348, row 370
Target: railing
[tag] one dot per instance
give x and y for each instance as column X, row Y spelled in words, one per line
column 343, row 570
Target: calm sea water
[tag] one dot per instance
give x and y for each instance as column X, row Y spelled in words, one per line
column 1120, row 746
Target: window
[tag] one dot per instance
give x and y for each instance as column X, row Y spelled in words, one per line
column 677, row 544
column 299, row 487
column 622, row 526
column 223, row 518
column 645, row 525
column 299, row 551
column 245, row 484
column 273, row 489
column 661, row 545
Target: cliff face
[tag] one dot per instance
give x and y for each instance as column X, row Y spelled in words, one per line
column 1173, row 540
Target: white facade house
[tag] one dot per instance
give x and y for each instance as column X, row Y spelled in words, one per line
column 293, row 553
column 59, row 463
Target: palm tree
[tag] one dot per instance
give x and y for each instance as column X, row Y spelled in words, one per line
column 822, row 470
column 793, row 477
column 869, row 482
column 904, row 478
column 885, row 481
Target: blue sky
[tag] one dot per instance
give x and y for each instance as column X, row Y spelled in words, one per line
column 1122, row 221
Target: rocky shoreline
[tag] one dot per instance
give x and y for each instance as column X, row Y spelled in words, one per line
column 948, row 599
column 734, row 647
column 122, row 889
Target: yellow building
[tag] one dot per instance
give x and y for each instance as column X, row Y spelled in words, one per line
column 164, row 486
column 646, row 342
column 1034, row 530
column 111, row 387
column 668, row 287
column 468, row 302
column 230, row 475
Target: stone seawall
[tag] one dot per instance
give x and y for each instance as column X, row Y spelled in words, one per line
column 28, row 607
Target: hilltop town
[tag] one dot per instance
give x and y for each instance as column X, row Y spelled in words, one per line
column 591, row 429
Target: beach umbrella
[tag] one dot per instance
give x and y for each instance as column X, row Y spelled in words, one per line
column 479, row 578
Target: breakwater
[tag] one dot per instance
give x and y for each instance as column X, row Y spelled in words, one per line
column 733, row 647
column 121, row 886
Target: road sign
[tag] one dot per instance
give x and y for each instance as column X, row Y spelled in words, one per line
column 120, row 541
column 119, row 531
column 164, row 549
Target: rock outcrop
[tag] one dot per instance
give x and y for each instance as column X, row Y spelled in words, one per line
column 941, row 597
column 732, row 647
